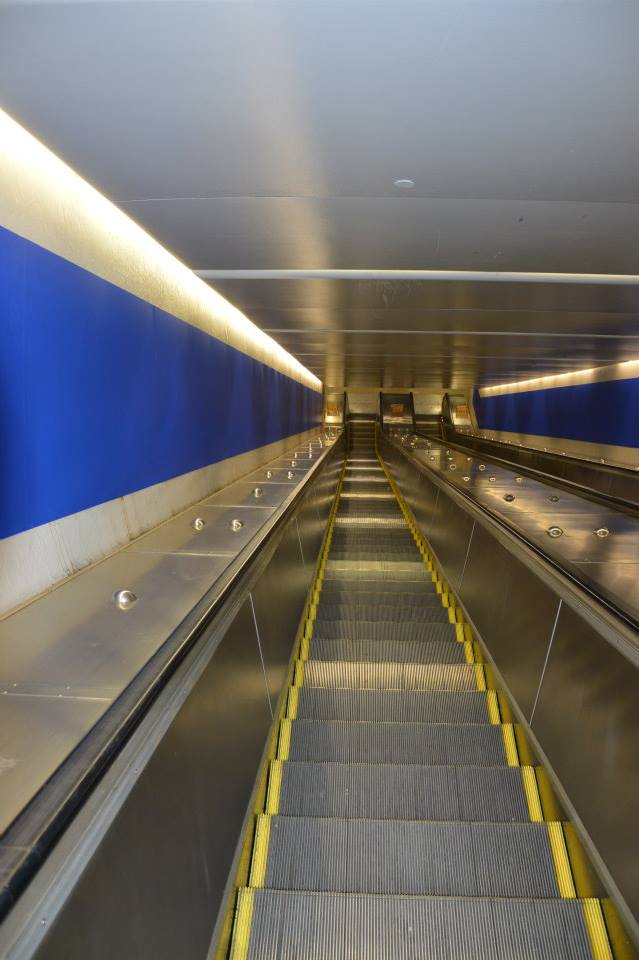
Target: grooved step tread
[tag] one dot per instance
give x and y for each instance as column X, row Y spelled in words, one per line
column 402, row 792
column 386, row 742
column 391, row 706
column 436, row 629
column 318, row 926
column 380, row 651
column 410, row 857
column 424, row 612
column 390, row 676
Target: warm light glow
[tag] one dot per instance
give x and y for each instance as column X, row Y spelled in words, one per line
column 44, row 200
column 625, row 370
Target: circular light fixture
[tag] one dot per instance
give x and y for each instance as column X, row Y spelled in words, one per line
column 403, row 183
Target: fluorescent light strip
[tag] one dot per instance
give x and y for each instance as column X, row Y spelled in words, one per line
column 626, row 370
column 44, row 200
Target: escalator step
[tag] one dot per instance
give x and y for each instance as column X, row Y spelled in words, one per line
column 402, row 792
column 362, row 592
column 384, row 630
column 317, row 926
column 378, row 569
column 389, row 676
column 383, row 742
column 385, row 651
column 424, row 613
column 410, row 857
column 392, row 706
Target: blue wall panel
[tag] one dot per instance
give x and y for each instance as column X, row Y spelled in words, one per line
column 102, row 394
column 603, row 412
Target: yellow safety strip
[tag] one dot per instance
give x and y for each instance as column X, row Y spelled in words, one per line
column 480, row 676
column 274, row 787
column 260, row 851
column 493, row 706
column 299, row 673
column 459, row 632
column 526, row 755
column 561, row 862
column 305, row 646
column 293, row 700
column 469, row 653
column 596, row 927
column 583, row 876
column 532, row 794
column 506, row 714
column 510, row 745
column 242, row 924
column 284, row 742
column 549, row 803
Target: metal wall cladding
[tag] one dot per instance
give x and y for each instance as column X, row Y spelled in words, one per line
column 157, row 880
column 579, row 694
column 587, row 718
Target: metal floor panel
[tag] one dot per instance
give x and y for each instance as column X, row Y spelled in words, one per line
column 382, row 651
column 319, row 926
column 382, row 742
column 398, row 792
column 410, row 857
column 390, row 676
column 391, row 706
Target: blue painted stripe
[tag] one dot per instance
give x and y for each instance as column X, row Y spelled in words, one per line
column 102, row 394
column 603, row 412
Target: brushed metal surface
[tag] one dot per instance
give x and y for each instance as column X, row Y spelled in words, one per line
column 587, row 718
column 37, row 732
column 152, row 887
column 278, row 599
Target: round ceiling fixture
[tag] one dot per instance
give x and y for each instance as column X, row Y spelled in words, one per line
column 403, row 183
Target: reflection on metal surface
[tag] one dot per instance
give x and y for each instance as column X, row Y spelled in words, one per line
column 554, row 532
column 124, row 599
column 198, row 524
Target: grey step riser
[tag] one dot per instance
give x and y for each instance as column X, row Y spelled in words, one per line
column 289, row 926
column 418, row 858
column 406, row 706
column 489, row 794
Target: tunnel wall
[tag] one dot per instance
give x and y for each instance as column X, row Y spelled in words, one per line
column 128, row 387
column 589, row 415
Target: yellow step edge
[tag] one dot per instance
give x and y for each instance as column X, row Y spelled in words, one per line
column 299, row 673
column 549, row 803
column 293, row 701
column 493, row 707
column 510, row 745
column 532, row 794
column 480, row 677
column 452, row 615
column 479, row 657
column 284, row 739
column 274, row 787
column 561, row 863
column 526, row 755
column 459, row 632
column 242, row 924
column 597, row 932
column 469, row 653
column 260, row 851
column 305, row 647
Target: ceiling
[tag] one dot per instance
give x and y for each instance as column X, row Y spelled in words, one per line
column 268, row 135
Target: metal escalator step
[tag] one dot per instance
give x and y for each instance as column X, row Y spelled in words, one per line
column 427, row 744
column 390, row 676
column 410, row 857
column 384, row 651
column 386, row 569
column 392, row 706
column 384, row 588
column 383, row 630
column 382, row 553
column 398, row 792
column 424, row 613
column 369, row 523
column 316, row 926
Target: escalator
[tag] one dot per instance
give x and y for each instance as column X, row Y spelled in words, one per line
column 405, row 816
